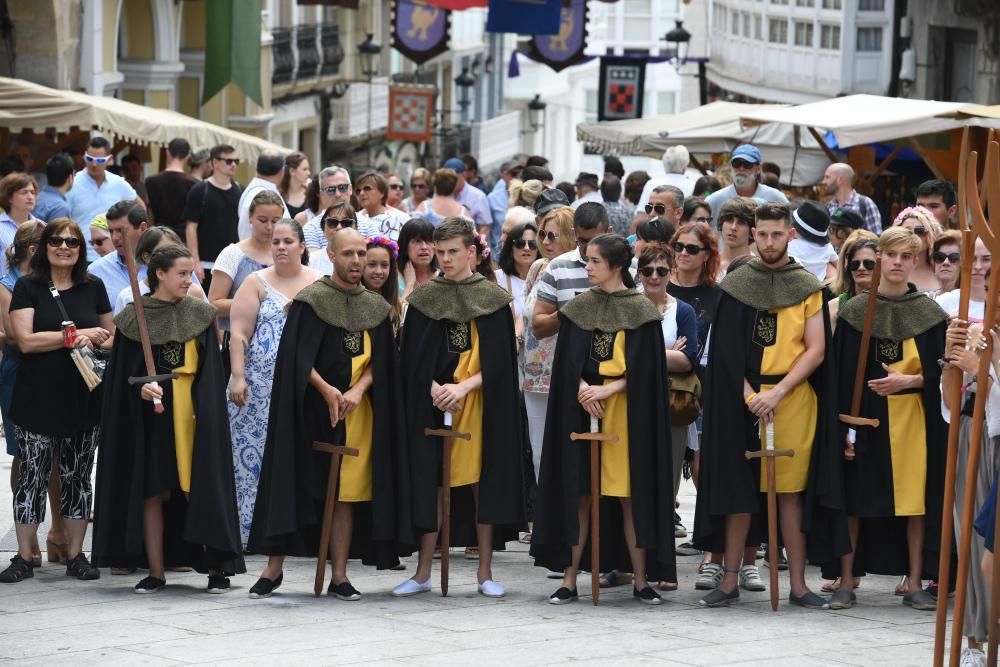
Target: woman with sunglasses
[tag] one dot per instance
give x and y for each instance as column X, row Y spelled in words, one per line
column 238, row 260
column 679, row 326
column 945, row 254
column 258, row 315
column 921, row 222
column 100, row 236
column 339, row 216
column 394, row 199
column 376, row 216
column 854, row 270
column 519, row 252
column 420, row 187
column 46, row 371
column 382, row 275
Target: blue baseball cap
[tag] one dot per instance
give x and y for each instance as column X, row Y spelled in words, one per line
column 455, row 164
column 746, row 152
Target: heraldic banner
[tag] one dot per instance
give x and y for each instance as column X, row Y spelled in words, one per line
column 411, row 109
column 420, row 30
column 621, row 87
column 566, row 46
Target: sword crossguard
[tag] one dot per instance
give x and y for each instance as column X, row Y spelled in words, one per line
column 859, row 421
column 334, row 449
column 447, row 433
column 769, row 453
column 143, row 379
column 594, row 437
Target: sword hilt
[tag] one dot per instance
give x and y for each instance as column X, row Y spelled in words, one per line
column 769, row 453
column 143, row 379
column 447, row 433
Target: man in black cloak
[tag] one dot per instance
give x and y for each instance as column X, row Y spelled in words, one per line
column 336, row 380
column 459, row 357
column 766, row 364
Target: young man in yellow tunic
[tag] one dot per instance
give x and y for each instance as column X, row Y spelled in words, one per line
column 336, row 380
column 765, row 367
column 458, row 357
column 894, row 484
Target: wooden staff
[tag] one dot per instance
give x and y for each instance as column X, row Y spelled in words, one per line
column 991, row 654
column 447, row 440
column 140, row 318
column 337, row 452
column 955, row 398
column 595, row 438
column 769, row 453
column 855, row 418
column 984, row 231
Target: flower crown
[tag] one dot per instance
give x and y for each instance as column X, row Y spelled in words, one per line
column 387, row 243
column 483, row 244
column 914, row 212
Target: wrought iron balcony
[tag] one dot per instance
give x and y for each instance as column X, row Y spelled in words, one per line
column 282, row 57
column 308, row 51
column 332, row 49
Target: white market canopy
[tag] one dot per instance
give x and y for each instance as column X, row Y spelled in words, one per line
column 864, row 119
column 26, row 105
column 713, row 128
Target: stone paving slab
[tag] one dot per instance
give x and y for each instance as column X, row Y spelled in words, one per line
column 52, row 619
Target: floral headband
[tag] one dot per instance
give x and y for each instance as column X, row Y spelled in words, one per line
column 484, row 245
column 919, row 212
column 385, row 242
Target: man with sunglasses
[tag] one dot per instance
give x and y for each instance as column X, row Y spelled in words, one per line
column 766, row 366
column 675, row 162
column 745, row 162
column 270, row 168
column 126, row 220
column 212, row 212
column 838, row 182
column 334, row 188
column 666, row 204
column 95, row 189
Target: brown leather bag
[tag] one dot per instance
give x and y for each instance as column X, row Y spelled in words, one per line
column 685, row 398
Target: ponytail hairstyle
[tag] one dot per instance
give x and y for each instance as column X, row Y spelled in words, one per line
column 163, row 259
column 297, row 230
column 266, row 198
column 28, row 234
column 617, row 253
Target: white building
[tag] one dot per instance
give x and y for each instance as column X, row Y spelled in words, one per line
column 624, row 27
column 798, row 51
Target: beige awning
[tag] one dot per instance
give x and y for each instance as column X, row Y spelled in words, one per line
column 26, row 105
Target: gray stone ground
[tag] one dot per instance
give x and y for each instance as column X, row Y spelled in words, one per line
column 53, row 619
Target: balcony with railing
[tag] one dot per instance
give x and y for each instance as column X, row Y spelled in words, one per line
column 282, row 58
column 304, row 58
column 309, row 59
column 331, row 48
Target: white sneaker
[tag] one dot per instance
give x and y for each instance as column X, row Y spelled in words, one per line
column 411, row 587
column 552, row 574
column 492, row 589
column 750, row 579
column 710, row 577
column 972, row 657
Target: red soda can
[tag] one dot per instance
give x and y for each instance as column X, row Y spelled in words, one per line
column 69, row 334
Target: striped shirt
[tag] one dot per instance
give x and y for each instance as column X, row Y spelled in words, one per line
column 565, row 277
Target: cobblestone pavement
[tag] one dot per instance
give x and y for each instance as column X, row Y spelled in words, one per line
column 53, row 619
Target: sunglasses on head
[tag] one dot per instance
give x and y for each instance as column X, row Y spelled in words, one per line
column 335, row 223
column 856, row 264
column 939, row 257
column 70, row 241
column 520, row 243
column 550, row 236
column 333, row 189
column 395, row 186
column 659, row 208
column 690, row 248
column 920, row 231
column 741, row 164
column 96, row 159
column 230, row 161
column 661, row 271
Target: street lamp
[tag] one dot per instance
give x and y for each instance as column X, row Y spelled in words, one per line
column 536, row 112
column 680, row 38
column 465, row 80
column 369, row 50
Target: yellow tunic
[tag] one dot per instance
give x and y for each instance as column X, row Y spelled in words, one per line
column 615, row 476
column 796, row 414
column 183, row 411
column 356, row 471
column 907, row 438
column 467, row 455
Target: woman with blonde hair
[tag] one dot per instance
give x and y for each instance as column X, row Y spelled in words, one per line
column 420, row 190
column 100, row 235
column 524, row 193
column 921, row 222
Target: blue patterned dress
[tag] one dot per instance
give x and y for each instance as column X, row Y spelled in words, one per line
column 248, row 425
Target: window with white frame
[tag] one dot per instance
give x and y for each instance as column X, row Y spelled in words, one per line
column 746, row 25
column 829, row 37
column 777, row 31
column 833, row 4
column 639, row 21
column 869, row 40
column 871, row 5
column 803, row 33
column 779, row 2
column 805, row 3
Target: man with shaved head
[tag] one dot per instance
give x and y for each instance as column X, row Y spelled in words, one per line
column 337, row 368
column 838, row 182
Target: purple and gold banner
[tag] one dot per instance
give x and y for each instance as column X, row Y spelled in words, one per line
column 420, row 30
column 566, row 47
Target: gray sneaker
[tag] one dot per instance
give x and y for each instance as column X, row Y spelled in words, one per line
column 843, row 599
column 750, row 579
column 921, row 600
column 710, row 578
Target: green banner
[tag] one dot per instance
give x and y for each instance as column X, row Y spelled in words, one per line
column 232, row 49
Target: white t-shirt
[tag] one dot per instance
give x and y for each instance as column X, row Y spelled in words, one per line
column 949, row 304
column 319, row 260
column 384, row 224
column 813, row 257
column 516, row 290
column 669, row 324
